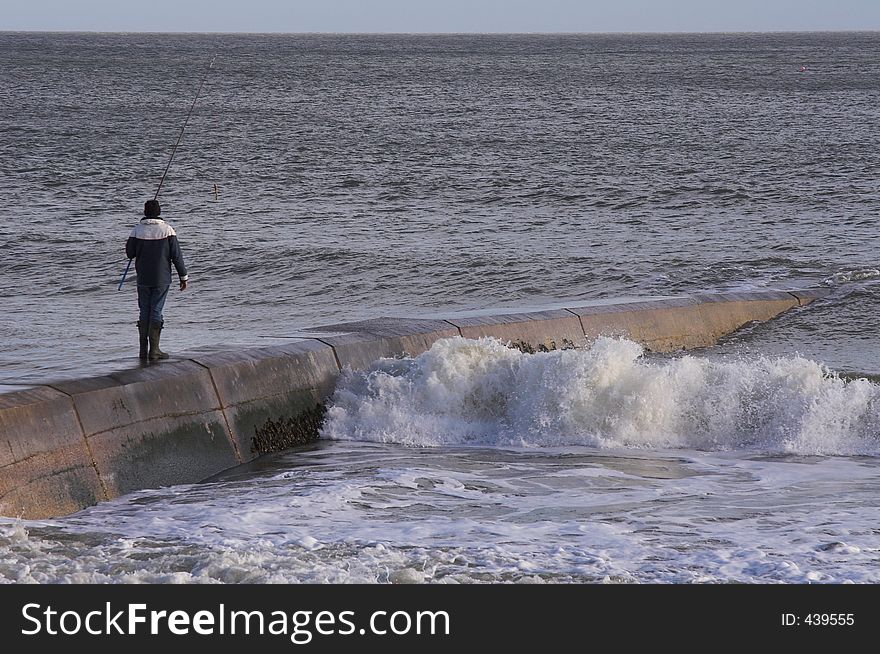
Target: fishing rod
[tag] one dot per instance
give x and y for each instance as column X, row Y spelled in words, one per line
column 173, row 152
column 182, row 129
column 122, row 281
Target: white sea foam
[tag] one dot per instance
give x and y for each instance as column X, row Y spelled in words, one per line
column 848, row 276
column 482, row 392
column 366, row 512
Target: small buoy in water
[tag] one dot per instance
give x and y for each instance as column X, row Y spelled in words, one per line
column 803, row 69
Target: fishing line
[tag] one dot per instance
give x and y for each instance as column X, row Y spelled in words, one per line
column 183, row 129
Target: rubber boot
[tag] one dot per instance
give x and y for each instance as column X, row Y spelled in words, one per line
column 144, row 331
column 155, row 352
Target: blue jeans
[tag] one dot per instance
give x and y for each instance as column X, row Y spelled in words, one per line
column 151, row 300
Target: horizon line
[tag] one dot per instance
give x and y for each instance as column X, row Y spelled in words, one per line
column 442, row 33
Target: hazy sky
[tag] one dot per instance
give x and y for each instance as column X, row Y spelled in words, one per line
column 439, row 15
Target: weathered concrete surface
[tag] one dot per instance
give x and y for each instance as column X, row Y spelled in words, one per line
column 269, row 395
column 684, row 322
column 659, row 325
column 155, row 426
column 532, row 331
column 723, row 313
column 45, row 466
column 77, row 442
column 807, row 295
column 358, row 344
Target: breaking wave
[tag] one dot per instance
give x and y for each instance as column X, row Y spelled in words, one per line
column 481, row 392
column 848, row 276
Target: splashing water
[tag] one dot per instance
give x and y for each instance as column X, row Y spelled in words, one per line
column 849, row 276
column 482, row 392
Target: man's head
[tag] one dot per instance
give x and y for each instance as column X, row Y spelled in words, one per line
column 152, row 209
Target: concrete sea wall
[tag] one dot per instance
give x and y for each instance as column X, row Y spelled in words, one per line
column 69, row 444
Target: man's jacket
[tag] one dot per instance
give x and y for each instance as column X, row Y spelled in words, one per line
column 153, row 242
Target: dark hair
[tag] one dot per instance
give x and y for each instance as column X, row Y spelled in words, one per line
column 152, row 209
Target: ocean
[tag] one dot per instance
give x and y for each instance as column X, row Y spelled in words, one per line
column 326, row 178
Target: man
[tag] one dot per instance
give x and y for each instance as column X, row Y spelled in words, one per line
column 153, row 242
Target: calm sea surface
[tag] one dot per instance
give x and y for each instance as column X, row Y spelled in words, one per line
column 359, row 176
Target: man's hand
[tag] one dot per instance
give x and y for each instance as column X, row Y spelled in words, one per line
column 182, row 284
